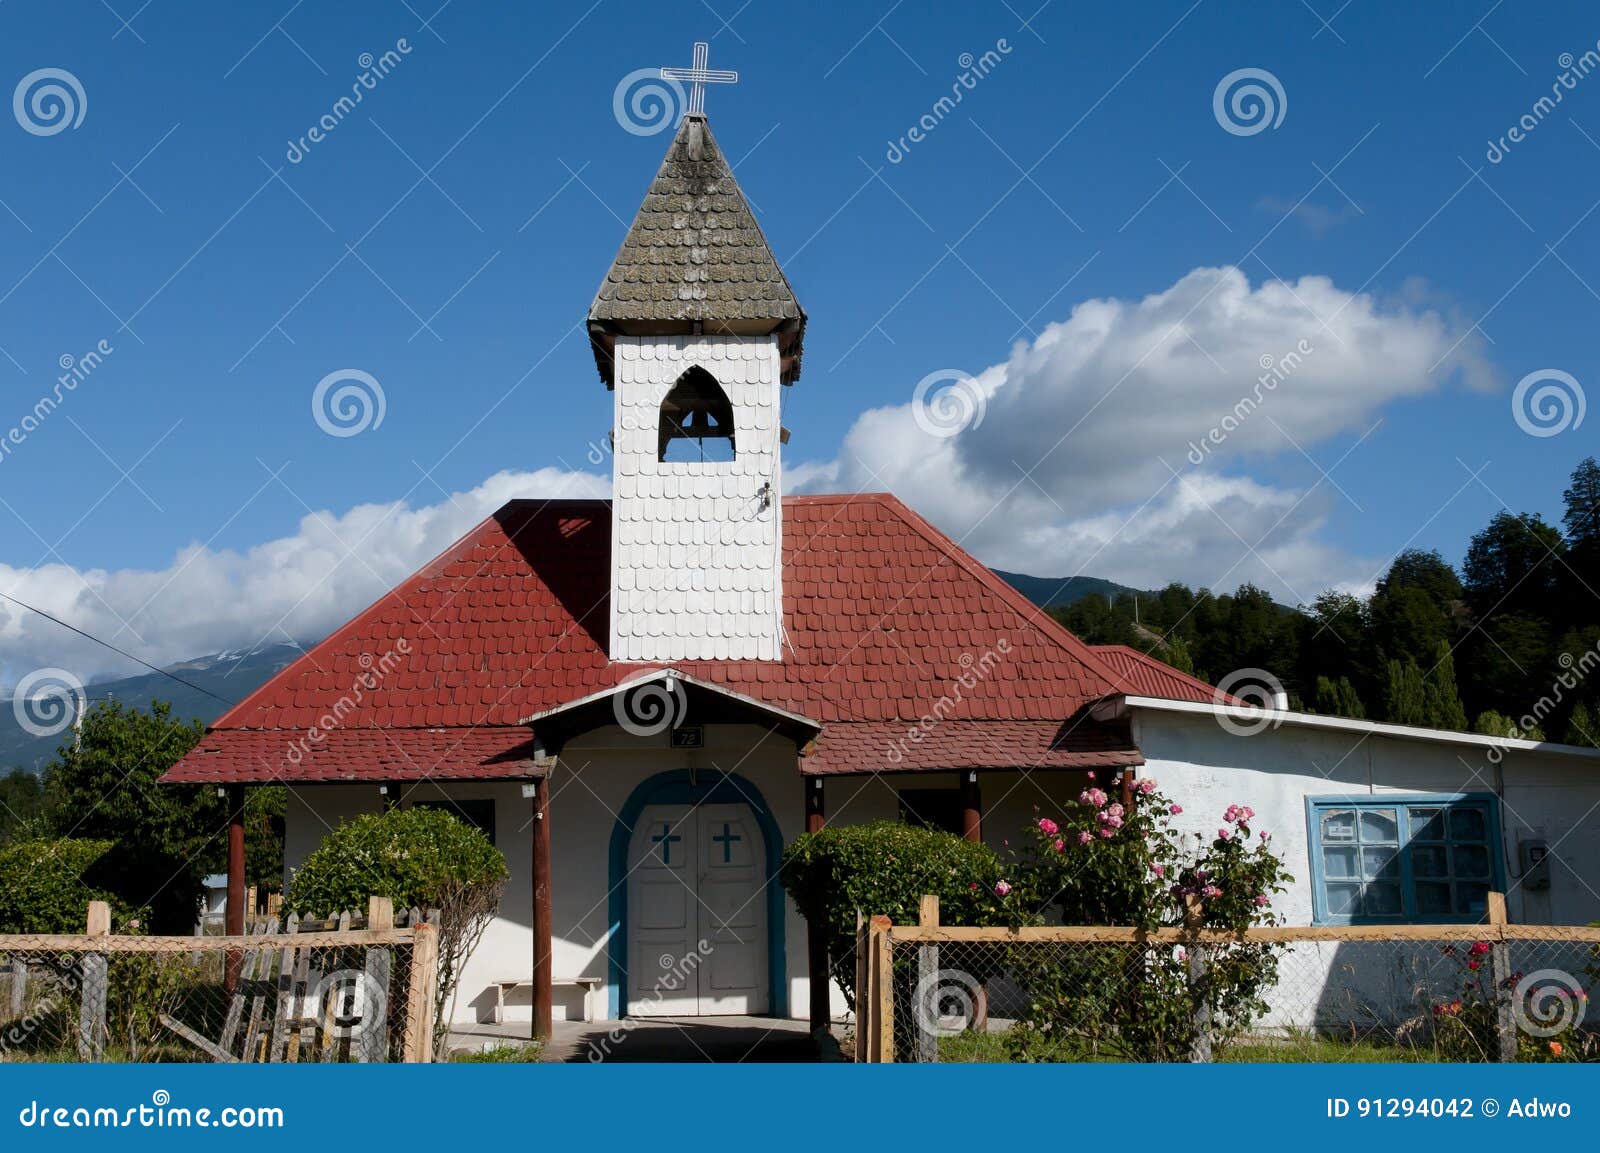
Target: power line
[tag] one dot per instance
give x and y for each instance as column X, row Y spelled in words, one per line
column 119, row 652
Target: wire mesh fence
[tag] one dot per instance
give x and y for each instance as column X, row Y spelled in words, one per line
column 322, row 995
column 1454, row 993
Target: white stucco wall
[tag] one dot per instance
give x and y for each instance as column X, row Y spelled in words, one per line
column 1334, row 985
column 696, row 548
column 1548, row 795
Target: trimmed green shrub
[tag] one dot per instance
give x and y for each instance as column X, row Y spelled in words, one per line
column 43, row 887
column 885, row 868
column 421, row 857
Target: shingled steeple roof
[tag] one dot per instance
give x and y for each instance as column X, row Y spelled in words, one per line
column 695, row 260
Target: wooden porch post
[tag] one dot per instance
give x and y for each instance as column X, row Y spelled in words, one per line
column 816, row 932
column 815, row 813
column 971, row 806
column 233, row 919
column 543, row 978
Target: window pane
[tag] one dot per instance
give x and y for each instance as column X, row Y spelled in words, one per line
column 1378, row 827
column 1339, row 825
column 1381, row 864
column 1471, row 898
column 1430, row 861
column 1344, row 900
column 1427, row 824
column 1470, row 860
column 1433, row 898
column 1382, row 900
column 1339, row 861
column 1468, row 824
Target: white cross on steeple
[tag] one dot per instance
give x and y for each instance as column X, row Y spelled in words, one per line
column 698, row 77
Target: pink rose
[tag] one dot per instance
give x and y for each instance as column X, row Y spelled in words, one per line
column 1261, row 902
column 1085, row 838
column 1059, row 844
column 1048, row 827
column 1107, row 833
column 1222, row 834
column 1147, row 786
column 1159, row 870
column 1001, row 888
column 1211, row 891
column 1095, row 797
column 1174, row 809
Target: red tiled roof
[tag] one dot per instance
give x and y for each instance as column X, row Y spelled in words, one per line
column 884, row 617
column 1141, row 675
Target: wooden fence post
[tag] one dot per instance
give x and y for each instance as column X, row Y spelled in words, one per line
column 883, row 989
column 92, row 1005
column 374, row 1039
column 19, row 987
column 925, row 1010
column 863, row 993
column 1199, row 985
column 422, row 991
column 1505, row 1021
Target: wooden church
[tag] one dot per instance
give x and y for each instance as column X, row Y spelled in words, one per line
column 642, row 700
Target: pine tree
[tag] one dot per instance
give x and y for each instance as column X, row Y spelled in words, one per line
column 1404, row 693
column 1338, row 698
column 1349, row 703
column 1583, row 727
column 1493, row 724
column 1443, row 707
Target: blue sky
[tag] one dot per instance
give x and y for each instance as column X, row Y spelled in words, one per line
column 230, row 281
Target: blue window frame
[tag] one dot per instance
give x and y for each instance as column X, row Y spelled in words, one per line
column 1388, row 859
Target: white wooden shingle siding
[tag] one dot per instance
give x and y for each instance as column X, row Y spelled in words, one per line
column 696, row 552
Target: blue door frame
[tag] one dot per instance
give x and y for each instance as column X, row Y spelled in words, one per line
column 678, row 787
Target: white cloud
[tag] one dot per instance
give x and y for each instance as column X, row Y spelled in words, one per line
column 207, row 600
column 1117, row 442
column 1080, row 463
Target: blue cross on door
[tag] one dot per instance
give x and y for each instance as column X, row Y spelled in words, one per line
column 665, row 841
column 727, row 839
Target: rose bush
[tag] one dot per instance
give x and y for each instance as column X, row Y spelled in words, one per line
column 1105, row 862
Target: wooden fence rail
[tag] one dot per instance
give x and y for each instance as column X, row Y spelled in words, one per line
column 280, row 1006
column 876, row 937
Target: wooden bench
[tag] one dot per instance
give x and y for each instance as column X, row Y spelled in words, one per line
column 587, row 984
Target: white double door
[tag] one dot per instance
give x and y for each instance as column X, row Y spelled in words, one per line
column 697, row 912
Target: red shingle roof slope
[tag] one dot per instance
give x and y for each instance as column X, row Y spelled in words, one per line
column 888, row 622
column 1141, row 675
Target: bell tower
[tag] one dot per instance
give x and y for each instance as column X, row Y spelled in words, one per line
column 696, row 332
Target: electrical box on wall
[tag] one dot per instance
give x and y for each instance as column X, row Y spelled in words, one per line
column 1535, row 853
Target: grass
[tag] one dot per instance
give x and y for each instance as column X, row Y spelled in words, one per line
column 1299, row 1048
column 514, row 1053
